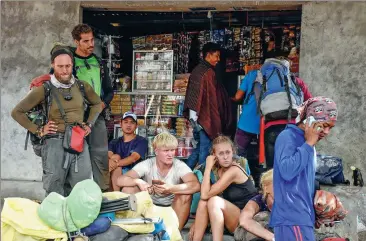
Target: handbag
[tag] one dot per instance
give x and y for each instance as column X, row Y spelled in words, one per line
column 74, row 138
column 74, row 134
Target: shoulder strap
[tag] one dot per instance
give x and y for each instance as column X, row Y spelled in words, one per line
column 47, row 97
column 81, row 87
column 102, row 68
column 287, row 88
column 61, row 109
column 241, row 168
column 100, row 61
column 255, row 88
column 294, row 81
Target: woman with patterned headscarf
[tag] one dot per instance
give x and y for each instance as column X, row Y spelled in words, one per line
column 293, row 214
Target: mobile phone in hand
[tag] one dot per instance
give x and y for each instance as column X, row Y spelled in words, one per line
column 311, row 120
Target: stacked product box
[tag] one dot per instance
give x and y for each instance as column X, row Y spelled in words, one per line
column 169, row 105
column 183, row 128
column 185, row 147
column 181, row 83
column 139, row 105
column 116, row 104
column 126, row 103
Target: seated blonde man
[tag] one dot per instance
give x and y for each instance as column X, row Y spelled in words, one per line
column 169, row 181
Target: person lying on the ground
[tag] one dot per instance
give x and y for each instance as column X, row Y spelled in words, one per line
column 293, row 213
column 234, row 184
column 169, row 181
column 126, row 151
column 259, row 203
column 327, row 206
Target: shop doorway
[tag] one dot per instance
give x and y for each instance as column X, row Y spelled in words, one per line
column 247, row 35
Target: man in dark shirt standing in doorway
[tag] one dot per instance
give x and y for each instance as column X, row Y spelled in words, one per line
column 207, row 104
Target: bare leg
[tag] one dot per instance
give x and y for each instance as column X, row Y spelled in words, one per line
column 131, row 190
column 222, row 212
column 182, row 205
column 201, row 221
column 114, row 176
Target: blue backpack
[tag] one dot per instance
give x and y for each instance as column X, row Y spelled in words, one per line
column 329, row 170
column 280, row 95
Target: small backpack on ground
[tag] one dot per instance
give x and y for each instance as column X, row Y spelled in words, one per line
column 329, row 170
column 280, row 95
column 39, row 114
column 357, row 176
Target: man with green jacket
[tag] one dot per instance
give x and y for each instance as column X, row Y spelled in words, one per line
column 89, row 67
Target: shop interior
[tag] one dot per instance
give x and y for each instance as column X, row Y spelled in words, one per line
column 150, row 55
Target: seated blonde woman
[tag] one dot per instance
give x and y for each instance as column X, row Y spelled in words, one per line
column 259, row 203
column 169, row 181
column 234, row 185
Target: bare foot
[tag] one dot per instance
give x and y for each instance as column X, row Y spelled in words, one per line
column 191, row 232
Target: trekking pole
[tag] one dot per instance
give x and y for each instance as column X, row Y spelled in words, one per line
column 135, row 220
column 262, row 157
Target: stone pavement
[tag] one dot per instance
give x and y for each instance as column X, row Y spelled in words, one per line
column 353, row 199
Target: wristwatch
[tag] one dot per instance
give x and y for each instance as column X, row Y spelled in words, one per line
column 89, row 124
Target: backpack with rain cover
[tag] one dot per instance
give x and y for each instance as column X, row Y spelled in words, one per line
column 329, row 170
column 39, row 114
column 280, row 95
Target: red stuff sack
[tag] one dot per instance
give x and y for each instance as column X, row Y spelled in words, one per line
column 74, row 139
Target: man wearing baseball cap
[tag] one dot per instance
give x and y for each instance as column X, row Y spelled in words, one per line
column 126, row 151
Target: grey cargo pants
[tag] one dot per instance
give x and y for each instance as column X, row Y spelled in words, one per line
column 98, row 146
column 56, row 173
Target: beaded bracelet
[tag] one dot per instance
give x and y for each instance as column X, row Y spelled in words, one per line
column 39, row 132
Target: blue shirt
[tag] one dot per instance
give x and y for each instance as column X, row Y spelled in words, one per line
column 249, row 120
column 293, row 180
column 125, row 149
column 261, row 203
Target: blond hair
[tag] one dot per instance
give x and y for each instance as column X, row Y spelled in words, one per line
column 266, row 178
column 221, row 140
column 166, row 140
column 226, row 140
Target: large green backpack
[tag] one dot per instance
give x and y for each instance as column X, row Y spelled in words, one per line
column 75, row 212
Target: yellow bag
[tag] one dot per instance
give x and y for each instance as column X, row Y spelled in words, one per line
column 20, row 222
column 144, row 204
column 146, row 208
